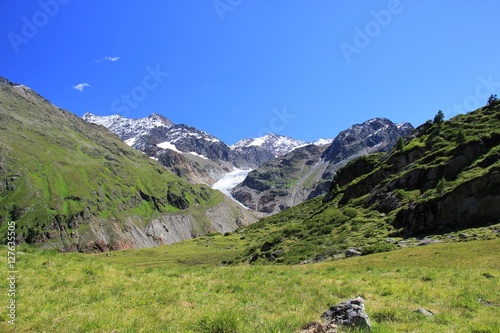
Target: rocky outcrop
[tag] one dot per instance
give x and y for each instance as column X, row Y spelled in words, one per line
column 473, row 203
column 118, row 234
column 348, row 315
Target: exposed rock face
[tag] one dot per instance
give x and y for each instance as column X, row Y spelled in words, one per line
column 306, row 172
column 471, row 204
column 350, row 313
column 283, row 182
column 440, row 182
column 127, row 128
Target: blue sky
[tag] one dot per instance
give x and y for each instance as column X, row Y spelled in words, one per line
column 241, row 68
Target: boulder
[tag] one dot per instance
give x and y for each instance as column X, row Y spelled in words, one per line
column 350, row 313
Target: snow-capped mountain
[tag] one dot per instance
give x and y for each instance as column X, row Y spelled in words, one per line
column 202, row 158
column 322, row 142
column 186, row 151
column 278, row 145
column 306, row 172
column 128, row 128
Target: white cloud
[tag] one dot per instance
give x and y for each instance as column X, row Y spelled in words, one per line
column 112, row 59
column 80, row 86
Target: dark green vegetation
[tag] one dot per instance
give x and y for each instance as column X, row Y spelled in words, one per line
column 153, row 290
column 444, row 180
column 61, row 178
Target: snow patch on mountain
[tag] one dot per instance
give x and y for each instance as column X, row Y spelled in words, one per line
column 168, row 145
column 199, row 155
column 131, row 141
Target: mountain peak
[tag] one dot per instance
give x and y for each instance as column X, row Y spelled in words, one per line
column 277, row 144
column 127, row 128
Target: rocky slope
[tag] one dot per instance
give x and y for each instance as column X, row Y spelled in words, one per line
column 306, row 172
column 75, row 186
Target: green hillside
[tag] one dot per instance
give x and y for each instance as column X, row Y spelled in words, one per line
column 61, row 175
column 443, row 185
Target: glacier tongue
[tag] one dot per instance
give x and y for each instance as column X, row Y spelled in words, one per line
column 230, row 180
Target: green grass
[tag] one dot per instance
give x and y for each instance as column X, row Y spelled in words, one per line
column 152, row 290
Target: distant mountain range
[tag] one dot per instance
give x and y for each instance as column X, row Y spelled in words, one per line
column 281, row 162
column 192, row 153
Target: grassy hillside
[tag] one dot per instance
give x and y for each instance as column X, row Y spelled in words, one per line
column 157, row 290
column 59, row 174
column 442, row 186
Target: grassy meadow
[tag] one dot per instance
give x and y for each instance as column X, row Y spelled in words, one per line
column 184, row 288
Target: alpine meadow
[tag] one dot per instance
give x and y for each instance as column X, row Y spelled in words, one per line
column 249, row 166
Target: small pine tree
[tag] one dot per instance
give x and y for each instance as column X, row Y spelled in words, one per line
column 441, row 186
column 439, row 118
column 400, row 144
column 492, row 99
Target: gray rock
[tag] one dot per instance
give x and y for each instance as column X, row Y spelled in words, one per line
column 350, row 313
column 353, row 253
column 427, row 241
column 425, row 312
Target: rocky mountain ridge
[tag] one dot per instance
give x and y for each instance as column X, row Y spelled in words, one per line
column 192, row 153
column 307, row 171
